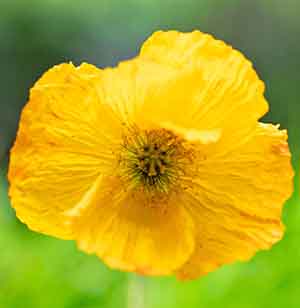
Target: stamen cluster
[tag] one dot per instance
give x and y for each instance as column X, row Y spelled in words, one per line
column 152, row 158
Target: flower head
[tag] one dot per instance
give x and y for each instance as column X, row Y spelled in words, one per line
column 158, row 166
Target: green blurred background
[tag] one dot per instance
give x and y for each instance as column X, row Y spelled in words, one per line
column 37, row 271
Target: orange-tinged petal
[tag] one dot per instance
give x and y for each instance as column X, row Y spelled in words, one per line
column 131, row 231
column 65, row 140
column 237, row 200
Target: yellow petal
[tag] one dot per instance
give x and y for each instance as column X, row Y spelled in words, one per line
column 131, row 231
column 189, row 80
column 237, row 200
column 65, row 140
column 138, row 90
column 216, row 86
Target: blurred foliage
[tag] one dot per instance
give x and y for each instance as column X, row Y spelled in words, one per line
column 39, row 271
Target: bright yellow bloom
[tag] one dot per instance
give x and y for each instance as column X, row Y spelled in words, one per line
column 158, row 166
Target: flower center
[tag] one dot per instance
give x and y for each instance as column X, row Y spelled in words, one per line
column 153, row 159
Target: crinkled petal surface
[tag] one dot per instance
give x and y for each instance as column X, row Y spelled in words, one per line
column 64, row 142
column 237, row 200
column 130, row 232
column 222, row 90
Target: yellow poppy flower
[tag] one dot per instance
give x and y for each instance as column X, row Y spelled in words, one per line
column 159, row 166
